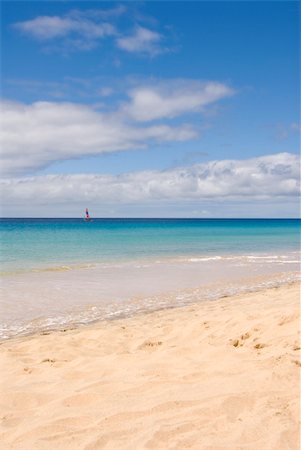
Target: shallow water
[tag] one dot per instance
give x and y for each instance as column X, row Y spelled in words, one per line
column 62, row 273
column 41, row 243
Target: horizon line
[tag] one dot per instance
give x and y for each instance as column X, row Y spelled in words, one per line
column 159, row 218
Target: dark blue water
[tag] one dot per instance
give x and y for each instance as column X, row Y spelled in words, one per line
column 40, row 243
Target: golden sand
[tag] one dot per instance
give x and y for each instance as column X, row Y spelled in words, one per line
column 215, row 375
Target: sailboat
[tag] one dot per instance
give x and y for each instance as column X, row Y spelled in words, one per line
column 87, row 217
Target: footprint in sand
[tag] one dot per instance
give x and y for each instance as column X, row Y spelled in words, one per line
column 245, row 336
column 150, row 344
column 259, row 345
column 236, row 342
column 239, row 342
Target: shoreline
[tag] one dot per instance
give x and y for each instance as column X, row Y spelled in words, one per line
column 83, row 316
column 213, row 375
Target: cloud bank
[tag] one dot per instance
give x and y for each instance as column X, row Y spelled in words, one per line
column 267, row 177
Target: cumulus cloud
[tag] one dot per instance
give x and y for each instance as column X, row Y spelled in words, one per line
column 173, row 98
column 142, row 40
column 267, row 177
column 33, row 136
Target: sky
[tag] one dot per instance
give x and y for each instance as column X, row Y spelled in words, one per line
column 150, row 109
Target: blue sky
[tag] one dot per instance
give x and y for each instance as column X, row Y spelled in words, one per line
column 102, row 98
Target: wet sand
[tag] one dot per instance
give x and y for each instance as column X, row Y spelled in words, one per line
column 215, row 375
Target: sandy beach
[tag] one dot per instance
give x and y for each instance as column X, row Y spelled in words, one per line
column 211, row 376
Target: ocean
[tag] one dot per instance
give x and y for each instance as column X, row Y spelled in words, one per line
column 67, row 272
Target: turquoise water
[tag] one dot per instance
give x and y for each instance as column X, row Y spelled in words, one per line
column 42, row 243
column 67, row 272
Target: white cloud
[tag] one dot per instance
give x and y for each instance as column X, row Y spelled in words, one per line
column 44, row 27
column 50, row 27
column 81, row 30
column 33, row 136
column 173, row 98
column 257, row 179
column 142, row 40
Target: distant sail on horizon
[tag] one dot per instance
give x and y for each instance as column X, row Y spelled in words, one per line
column 87, row 218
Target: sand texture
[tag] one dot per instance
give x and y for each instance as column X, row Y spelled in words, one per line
column 210, row 376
